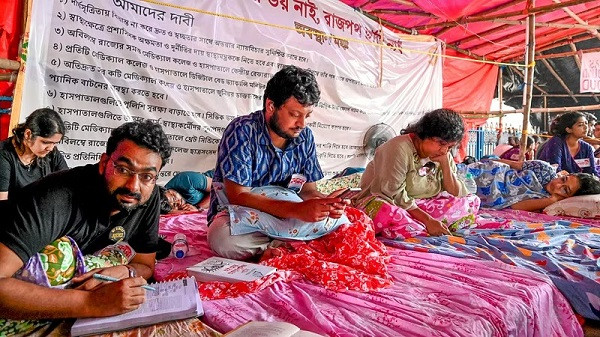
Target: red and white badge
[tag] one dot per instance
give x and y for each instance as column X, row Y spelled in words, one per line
column 585, row 162
column 296, row 182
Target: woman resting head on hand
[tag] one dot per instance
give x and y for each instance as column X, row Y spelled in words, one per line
column 31, row 152
column 415, row 165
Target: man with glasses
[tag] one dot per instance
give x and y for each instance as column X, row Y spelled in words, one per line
column 94, row 207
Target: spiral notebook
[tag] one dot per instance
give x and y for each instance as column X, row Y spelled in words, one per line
column 172, row 300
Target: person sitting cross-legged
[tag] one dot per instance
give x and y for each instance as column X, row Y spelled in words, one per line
column 259, row 156
column 411, row 188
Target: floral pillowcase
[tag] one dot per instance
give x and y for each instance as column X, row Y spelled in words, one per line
column 582, row 206
column 246, row 220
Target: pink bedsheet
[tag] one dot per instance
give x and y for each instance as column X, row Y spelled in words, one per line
column 432, row 295
column 536, row 217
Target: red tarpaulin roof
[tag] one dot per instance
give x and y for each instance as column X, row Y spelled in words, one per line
column 488, row 28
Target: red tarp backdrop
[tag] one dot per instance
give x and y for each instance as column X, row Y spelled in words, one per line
column 468, row 86
column 10, row 35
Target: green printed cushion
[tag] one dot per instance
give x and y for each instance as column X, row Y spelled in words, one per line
column 327, row 186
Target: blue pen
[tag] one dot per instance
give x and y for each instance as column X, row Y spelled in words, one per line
column 114, row 279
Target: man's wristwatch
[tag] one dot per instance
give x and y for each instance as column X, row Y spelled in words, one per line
column 132, row 272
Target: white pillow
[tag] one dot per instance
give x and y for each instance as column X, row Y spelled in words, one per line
column 583, row 206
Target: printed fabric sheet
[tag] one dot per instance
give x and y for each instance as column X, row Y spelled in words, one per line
column 566, row 251
column 414, row 293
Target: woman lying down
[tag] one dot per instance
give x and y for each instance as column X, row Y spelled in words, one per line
column 531, row 185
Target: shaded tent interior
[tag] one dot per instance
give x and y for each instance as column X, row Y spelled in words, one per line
column 554, row 94
column 495, row 31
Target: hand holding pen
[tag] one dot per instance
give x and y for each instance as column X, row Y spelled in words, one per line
column 114, row 279
column 110, row 293
column 96, row 277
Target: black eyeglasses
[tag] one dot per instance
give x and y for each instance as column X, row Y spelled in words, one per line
column 145, row 177
column 428, row 169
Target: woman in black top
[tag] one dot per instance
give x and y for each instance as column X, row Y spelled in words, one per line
column 31, row 152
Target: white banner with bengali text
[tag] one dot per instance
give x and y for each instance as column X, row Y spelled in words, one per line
column 194, row 65
column 589, row 80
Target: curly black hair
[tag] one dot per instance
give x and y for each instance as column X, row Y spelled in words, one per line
column 562, row 122
column 588, row 184
column 165, row 206
column 43, row 122
column 144, row 133
column 444, row 124
column 292, row 81
column 530, row 141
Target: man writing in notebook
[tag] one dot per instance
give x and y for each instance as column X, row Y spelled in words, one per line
column 89, row 207
column 271, row 146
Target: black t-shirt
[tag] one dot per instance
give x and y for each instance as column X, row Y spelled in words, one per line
column 14, row 175
column 76, row 203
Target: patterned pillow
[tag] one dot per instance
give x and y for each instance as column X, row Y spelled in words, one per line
column 246, row 220
column 583, row 206
column 327, row 186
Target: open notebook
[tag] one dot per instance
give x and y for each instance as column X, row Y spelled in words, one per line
column 172, row 300
column 270, row 329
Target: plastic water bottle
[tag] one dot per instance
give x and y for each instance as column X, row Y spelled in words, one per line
column 179, row 248
column 470, row 183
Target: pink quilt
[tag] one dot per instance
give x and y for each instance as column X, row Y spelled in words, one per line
column 431, row 295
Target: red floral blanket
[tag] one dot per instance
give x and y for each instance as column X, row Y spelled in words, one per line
column 350, row 258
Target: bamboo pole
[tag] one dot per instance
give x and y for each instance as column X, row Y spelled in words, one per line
column 560, row 40
column 545, row 116
column 593, row 31
column 516, row 70
column 501, row 100
column 565, row 41
column 558, row 95
column 499, row 8
column 528, row 89
column 368, row 2
column 575, row 56
column 410, row 31
column 499, row 40
column 494, row 30
column 9, row 64
column 478, row 35
column 565, row 54
column 559, row 79
column 534, row 110
column 547, row 24
column 538, row 10
column 8, row 77
column 384, row 22
column 405, row 3
column 563, row 38
column 401, row 12
column 15, row 113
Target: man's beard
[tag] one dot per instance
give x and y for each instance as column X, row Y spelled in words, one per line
column 274, row 126
column 128, row 193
